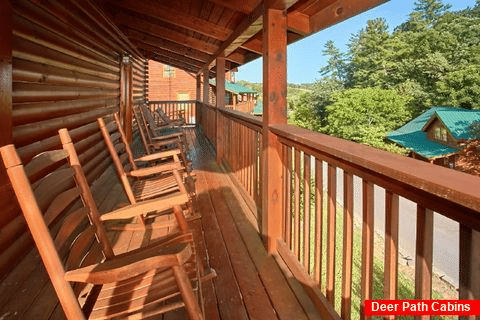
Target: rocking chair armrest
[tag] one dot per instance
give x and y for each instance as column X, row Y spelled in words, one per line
column 158, row 155
column 134, row 210
column 132, row 264
column 157, row 143
column 168, row 136
column 162, row 168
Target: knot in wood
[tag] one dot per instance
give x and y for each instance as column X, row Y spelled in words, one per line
column 275, row 195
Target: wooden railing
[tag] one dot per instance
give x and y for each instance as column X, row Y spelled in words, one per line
column 243, row 159
column 318, row 239
column 176, row 109
column 207, row 120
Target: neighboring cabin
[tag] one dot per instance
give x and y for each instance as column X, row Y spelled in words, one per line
column 169, row 83
column 438, row 135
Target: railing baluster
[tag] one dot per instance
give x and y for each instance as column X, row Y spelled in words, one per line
column 306, row 211
column 367, row 245
column 296, row 223
column 392, row 206
column 288, row 198
column 469, row 263
column 318, row 220
column 331, row 232
column 346, row 305
column 424, row 253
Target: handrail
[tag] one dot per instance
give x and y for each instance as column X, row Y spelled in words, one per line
column 248, row 119
column 449, row 192
column 172, row 101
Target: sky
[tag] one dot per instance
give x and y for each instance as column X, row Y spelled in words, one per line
column 304, row 58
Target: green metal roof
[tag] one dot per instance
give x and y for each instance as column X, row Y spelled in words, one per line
column 412, row 136
column 233, row 87
column 458, row 121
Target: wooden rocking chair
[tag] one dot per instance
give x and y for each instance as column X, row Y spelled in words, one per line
column 55, row 199
column 157, row 137
column 166, row 121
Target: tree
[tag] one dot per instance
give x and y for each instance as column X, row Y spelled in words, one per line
column 461, row 88
column 336, row 65
column 366, row 115
column 369, row 52
column 430, row 10
column 308, row 110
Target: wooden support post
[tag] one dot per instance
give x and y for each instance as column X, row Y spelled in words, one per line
column 220, row 84
column 199, row 88
column 129, row 104
column 6, row 26
column 198, row 119
column 206, row 86
column 126, row 96
column 123, row 91
column 274, row 112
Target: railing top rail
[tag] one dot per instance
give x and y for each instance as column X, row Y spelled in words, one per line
column 256, row 121
column 452, row 193
column 171, row 101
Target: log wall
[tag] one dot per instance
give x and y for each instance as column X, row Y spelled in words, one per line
column 65, row 73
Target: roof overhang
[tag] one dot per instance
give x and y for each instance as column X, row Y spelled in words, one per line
column 190, row 35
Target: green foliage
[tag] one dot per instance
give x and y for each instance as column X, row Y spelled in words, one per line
column 336, row 67
column 308, row 108
column 461, row 88
column 366, row 115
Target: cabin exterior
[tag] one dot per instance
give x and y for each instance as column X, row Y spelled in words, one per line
column 438, row 135
column 168, row 83
column 63, row 64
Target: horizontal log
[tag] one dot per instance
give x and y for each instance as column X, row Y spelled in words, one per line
column 56, row 71
column 99, row 169
column 25, row 134
column 107, row 25
column 46, row 20
column 13, row 230
column 83, row 145
column 30, row 76
column 35, row 39
column 29, row 92
column 26, row 153
column 29, row 112
column 65, row 12
column 15, row 253
column 39, row 59
column 91, row 152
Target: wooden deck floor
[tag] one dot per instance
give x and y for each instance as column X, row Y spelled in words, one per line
column 249, row 283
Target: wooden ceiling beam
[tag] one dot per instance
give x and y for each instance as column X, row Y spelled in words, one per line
column 249, row 27
column 164, row 53
column 253, row 22
column 254, row 44
column 168, row 60
column 339, row 11
column 299, row 23
column 167, row 34
column 160, row 11
column 236, row 57
column 244, row 6
column 166, row 45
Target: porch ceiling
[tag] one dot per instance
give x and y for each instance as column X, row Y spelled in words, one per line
column 190, row 34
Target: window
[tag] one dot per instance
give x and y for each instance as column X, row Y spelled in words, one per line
column 441, row 134
column 444, row 134
column 168, row 71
